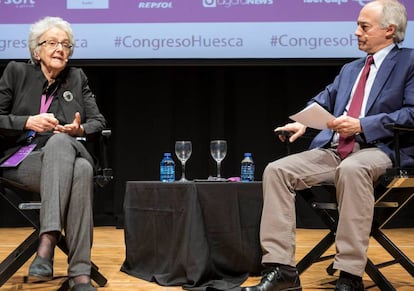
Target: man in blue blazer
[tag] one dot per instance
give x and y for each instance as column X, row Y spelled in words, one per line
column 386, row 96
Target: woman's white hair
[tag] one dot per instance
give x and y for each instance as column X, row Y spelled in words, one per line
column 40, row 27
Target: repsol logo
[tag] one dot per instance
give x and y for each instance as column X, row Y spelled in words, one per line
column 154, row 5
column 229, row 3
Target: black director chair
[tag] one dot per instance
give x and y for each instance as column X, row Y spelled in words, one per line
column 16, row 194
column 392, row 192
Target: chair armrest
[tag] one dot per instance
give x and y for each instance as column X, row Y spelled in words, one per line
column 287, row 134
column 398, row 129
column 307, row 136
column 104, row 172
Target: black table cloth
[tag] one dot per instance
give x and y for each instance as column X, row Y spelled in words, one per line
column 198, row 235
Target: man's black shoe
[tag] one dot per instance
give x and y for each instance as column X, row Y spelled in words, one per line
column 348, row 284
column 278, row 279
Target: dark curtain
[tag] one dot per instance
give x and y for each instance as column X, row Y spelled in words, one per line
column 149, row 106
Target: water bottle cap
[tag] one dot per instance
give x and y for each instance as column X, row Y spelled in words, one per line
column 167, row 154
column 247, row 154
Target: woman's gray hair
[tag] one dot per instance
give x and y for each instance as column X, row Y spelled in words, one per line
column 394, row 13
column 40, row 27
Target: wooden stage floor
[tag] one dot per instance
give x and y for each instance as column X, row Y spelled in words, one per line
column 109, row 253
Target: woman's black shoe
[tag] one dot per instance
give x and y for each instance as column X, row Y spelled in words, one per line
column 41, row 268
column 278, row 279
column 83, row 287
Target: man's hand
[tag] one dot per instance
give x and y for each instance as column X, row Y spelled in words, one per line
column 73, row 129
column 345, row 125
column 298, row 129
column 41, row 122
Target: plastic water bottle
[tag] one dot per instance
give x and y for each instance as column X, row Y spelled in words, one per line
column 247, row 168
column 167, row 168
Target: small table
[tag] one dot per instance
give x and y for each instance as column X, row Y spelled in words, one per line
column 193, row 234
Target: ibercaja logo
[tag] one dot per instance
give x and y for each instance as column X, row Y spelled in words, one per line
column 362, row 2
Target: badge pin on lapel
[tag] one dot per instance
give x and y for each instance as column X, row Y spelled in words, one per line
column 68, row 96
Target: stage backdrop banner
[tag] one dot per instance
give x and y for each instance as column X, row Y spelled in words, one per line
column 188, row 29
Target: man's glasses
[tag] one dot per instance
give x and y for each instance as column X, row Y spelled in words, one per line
column 53, row 44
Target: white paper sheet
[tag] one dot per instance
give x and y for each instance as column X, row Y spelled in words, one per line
column 314, row 116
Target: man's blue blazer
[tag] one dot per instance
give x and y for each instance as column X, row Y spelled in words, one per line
column 391, row 100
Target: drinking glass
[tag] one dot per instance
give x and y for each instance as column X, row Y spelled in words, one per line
column 218, row 150
column 183, row 149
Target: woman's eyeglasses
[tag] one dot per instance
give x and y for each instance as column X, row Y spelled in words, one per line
column 53, row 44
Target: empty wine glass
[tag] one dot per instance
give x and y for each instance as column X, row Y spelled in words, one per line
column 183, row 149
column 218, row 150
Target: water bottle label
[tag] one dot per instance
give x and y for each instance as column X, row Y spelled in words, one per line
column 167, row 169
column 247, row 172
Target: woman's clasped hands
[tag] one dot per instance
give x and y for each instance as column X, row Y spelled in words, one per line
column 44, row 122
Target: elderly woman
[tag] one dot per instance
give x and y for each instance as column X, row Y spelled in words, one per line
column 44, row 106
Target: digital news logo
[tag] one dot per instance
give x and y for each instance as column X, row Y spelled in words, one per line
column 229, row 3
column 209, row 3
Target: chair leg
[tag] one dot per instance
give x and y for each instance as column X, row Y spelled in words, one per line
column 394, row 251
column 330, row 269
column 330, row 218
column 64, row 286
column 27, row 248
column 18, row 257
column 379, row 279
column 315, row 255
column 97, row 276
column 372, row 270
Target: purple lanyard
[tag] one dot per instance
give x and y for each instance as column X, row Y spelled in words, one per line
column 45, row 103
column 44, row 107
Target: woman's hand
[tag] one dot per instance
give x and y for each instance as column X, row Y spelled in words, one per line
column 297, row 129
column 41, row 122
column 73, row 129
